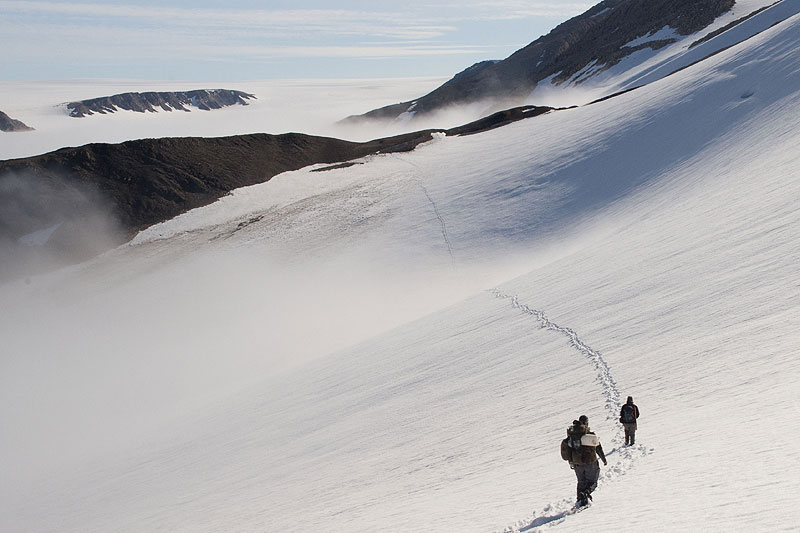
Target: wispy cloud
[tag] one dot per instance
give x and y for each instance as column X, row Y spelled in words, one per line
column 512, row 9
column 223, row 33
column 190, row 44
column 274, row 22
column 347, row 51
column 86, row 36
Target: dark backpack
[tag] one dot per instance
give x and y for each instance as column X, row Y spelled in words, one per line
column 628, row 414
column 574, row 434
column 566, row 451
column 572, row 444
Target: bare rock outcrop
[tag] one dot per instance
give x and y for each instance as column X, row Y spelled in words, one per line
column 584, row 45
column 74, row 203
column 9, row 124
column 205, row 99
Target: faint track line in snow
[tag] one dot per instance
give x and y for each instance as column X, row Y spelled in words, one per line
column 436, row 211
column 621, row 458
column 442, row 223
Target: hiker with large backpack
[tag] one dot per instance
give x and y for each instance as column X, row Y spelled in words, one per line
column 627, row 417
column 581, row 448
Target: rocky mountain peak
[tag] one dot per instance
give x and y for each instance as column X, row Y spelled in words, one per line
column 595, row 40
column 9, row 124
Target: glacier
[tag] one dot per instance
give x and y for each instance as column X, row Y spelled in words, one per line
column 400, row 345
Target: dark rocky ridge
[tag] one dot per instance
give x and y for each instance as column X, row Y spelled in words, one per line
column 205, row 99
column 597, row 35
column 735, row 23
column 124, row 188
column 9, row 124
column 151, row 180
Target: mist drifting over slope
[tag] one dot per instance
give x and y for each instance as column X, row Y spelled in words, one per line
column 307, row 106
column 327, row 348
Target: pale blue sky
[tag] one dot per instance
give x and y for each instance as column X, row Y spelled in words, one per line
column 206, row 40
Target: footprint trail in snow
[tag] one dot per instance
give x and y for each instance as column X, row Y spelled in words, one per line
column 620, row 459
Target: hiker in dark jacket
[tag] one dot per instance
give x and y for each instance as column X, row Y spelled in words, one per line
column 627, row 416
column 583, row 459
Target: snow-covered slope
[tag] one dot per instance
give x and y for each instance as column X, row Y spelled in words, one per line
column 762, row 15
column 614, row 46
column 746, row 19
column 399, row 345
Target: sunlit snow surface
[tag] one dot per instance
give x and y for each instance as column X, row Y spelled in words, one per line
column 399, row 345
column 646, row 65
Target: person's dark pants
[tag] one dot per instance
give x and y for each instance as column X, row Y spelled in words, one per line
column 630, row 433
column 587, row 478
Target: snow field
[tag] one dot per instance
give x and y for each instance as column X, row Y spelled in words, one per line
column 646, row 65
column 695, row 303
column 356, row 372
column 380, row 457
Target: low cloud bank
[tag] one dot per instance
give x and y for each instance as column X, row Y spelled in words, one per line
column 47, row 223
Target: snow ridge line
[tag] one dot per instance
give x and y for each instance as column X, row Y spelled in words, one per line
column 621, row 459
column 604, row 377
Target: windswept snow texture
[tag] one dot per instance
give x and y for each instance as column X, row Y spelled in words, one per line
column 399, row 345
column 758, row 23
column 645, row 66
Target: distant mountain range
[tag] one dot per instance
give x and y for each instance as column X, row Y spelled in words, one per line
column 205, row 99
column 9, row 124
column 44, row 199
column 579, row 48
column 53, row 200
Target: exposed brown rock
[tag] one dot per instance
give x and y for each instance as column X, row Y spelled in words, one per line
column 735, row 23
column 205, row 99
column 598, row 36
column 9, row 124
column 99, row 195
column 152, row 180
